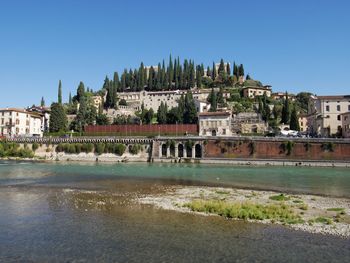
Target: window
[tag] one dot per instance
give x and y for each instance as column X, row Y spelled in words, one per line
column 348, row 108
column 338, row 107
column 327, row 108
column 17, row 121
column 338, row 117
column 224, row 131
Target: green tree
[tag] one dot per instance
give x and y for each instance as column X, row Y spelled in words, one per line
column 221, row 67
column 294, row 122
column 59, row 92
column 70, row 101
column 80, row 91
column 241, row 70
column 162, row 113
column 190, row 112
column 149, row 116
column 286, row 111
column 58, row 118
column 212, row 99
column 42, row 102
column 102, row 119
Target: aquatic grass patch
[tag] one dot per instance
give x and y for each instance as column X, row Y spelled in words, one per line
column 298, row 201
column 303, row 207
column 336, row 209
column 221, row 192
column 281, row 212
column 323, row 220
column 280, row 197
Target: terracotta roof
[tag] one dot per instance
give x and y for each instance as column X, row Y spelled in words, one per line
column 217, row 113
column 336, row 97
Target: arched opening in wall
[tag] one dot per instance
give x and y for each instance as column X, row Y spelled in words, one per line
column 198, row 151
column 189, row 151
column 254, row 129
column 213, row 133
column 172, row 150
column 180, row 148
column 164, row 148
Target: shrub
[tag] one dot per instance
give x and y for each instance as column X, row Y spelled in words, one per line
column 35, row 146
column 327, row 146
column 99, row 148
column 280, row 197
column 135, row 149
column 119, row 149
column 252, row 147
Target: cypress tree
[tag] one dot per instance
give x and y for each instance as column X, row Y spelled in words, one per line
column 70, row 99
column 213, row 72
column 42, row 102
column 198, row 77
column 235, row 70
column 150, row 78
column 221, row 67
column 59, row 92
column 170, row 72
column 294, row 122
column 80, row 91
column 285, row 111
column 228, row 69
column 159, row 77
column 213, row 100
column 190, row 112
column 192, row 75
column 241, row 70
column 208, row 72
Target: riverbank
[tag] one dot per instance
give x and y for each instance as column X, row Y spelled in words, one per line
column 310, row 213
column 112, row 158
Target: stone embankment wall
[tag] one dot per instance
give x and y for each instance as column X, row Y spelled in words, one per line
column 283, row 149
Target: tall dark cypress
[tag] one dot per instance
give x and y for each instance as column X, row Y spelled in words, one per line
column 170, row 72
column 213, row 72
column 59, row 99
column 228, row 69
column 42, row 102
column 285, row 111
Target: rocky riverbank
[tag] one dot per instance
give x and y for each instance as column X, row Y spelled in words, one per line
column 315, row 214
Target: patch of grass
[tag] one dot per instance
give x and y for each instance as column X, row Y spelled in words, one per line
column 281, row 212
column 324, row 220
column 280, row 197
column 303, row 207
column 220, row 192
column 336, row 209
column 298, row 201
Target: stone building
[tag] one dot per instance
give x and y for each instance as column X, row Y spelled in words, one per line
column 248, row 122
column 214, row 123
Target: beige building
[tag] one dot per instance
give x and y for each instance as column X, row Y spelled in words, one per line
column 155, row 98
column 346, row 124
column 248, row 122
column 214, row 124
column 252, row 92
column 282, row 96
column 19, row 122
column 304, row 122
column 326, row 111
column 96, row 101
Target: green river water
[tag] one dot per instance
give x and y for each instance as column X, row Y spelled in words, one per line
column 50, row 212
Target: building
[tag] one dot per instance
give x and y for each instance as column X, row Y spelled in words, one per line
column 346, row 124
column 202, row 105
column 214, row 123
column 19, row 122
column 248, row 122
column 282, row 96
column 326, row 111
column 252, row 92
column 153, row 99
column 44, row 112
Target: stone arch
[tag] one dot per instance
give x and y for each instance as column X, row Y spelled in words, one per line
column 164, row 150
column 198, row 151
column 172, row 150
column 189, row 151
column 180, row 148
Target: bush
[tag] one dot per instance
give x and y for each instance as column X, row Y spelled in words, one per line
column 135, row 149
column 99, row 148
column 119, row 149
column 35, row 146
column 11, row 149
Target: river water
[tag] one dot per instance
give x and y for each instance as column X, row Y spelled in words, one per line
column 68, row 212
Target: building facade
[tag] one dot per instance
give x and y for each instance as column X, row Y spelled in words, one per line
column 214, row 123
column 252, row 92
column 346, row 125
column 326, row 111
column 18, row 122
column 153, row 99
column 248, row 122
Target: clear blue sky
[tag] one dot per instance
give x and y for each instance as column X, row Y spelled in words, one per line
column 293, row 45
